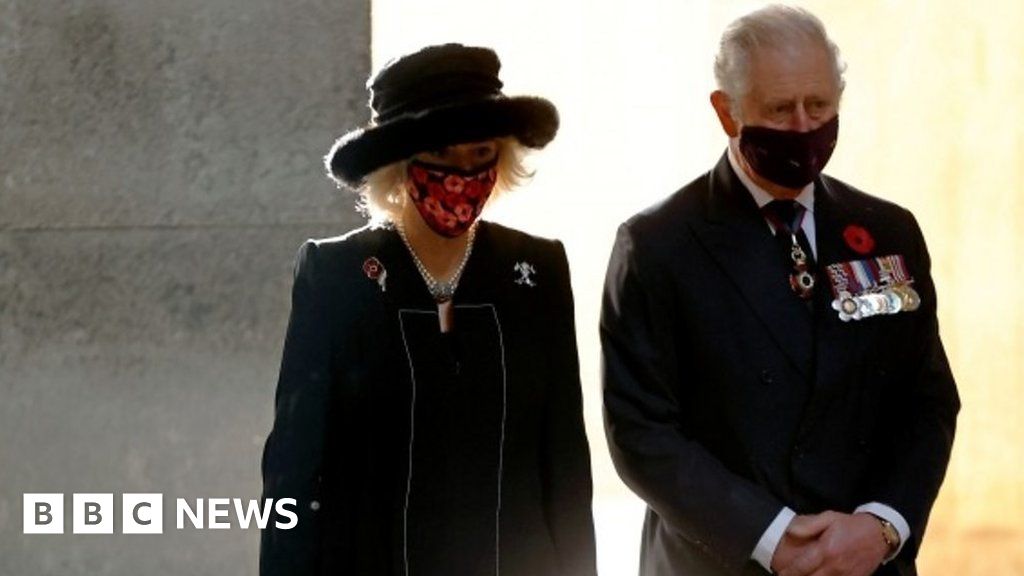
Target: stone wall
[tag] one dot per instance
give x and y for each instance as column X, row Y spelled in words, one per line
column 160, row 163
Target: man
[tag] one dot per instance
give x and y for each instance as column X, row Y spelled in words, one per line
column 775, row 387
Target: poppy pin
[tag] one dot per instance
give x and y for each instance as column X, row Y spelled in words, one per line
column 858, row 239
column 374, row 270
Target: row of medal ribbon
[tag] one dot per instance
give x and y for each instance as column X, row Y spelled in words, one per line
column 872, row 287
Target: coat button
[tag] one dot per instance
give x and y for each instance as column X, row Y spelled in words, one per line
column 314, row 505
column 767, row 377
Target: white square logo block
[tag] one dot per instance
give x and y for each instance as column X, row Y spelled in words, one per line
column 92, row 514
column 142, row 513
column 43, row 513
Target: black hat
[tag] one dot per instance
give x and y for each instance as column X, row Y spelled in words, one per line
column 436, row 97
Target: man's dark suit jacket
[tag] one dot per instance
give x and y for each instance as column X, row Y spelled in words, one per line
column 357, row 386
column 726, row 398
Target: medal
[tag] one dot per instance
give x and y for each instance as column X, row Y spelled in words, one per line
column 797, row 253
column 802, row 282
column 911, row 300
column 872, row 287
column 846, row 306
column 801, row 279
column 895, row 303
column 914, row 299
column 869, row 305
column 879, row 303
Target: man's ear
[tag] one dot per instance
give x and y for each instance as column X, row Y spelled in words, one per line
column 722, row 104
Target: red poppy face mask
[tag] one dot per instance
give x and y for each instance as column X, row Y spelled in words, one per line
column 788, row 158
column 450, row 199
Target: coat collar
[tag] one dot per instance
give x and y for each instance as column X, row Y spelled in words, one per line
column 737, row 237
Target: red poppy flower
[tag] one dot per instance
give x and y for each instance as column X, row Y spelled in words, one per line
column 433, row 206
column 858, row 239
column 447, row 220
column 372, row 268
column 454, row 183
column 463, row 212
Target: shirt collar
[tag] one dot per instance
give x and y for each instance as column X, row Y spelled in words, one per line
column 761, row 196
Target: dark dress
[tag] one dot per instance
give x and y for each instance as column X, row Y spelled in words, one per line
column 412, row 452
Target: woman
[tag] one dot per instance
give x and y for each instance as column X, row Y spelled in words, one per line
column 428, row 413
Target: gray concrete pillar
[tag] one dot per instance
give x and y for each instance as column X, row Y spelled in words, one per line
column 160, row 163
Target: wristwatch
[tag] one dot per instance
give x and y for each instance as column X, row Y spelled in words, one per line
column 889, row 534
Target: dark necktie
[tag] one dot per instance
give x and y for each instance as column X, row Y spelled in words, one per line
column 787, row 216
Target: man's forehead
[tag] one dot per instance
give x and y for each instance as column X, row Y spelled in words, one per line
column 792, row 56
column 779, row 72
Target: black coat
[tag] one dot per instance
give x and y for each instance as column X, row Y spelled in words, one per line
column 412, row 454
column 726, row 399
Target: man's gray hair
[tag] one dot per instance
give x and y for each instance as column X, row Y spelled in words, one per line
column 773, row 27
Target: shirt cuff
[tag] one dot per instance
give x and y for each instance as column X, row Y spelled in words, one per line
column 894, row 518
column 765, row 549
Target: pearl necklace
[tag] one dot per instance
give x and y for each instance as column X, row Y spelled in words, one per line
column 442, row 291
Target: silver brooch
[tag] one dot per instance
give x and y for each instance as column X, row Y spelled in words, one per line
column 525, row 271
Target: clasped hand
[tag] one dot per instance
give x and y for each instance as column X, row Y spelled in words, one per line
column 830, row 544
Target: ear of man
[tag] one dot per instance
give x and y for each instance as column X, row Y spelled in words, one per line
column 723, row 105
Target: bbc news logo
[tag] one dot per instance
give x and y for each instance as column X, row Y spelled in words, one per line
column 143, row 513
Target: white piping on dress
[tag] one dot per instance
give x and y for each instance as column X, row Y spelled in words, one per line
column 412, row 432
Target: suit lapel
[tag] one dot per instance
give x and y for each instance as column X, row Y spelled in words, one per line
column 840, row 345
column 737, row 237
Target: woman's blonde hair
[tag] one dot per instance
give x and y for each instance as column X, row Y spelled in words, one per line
column 382, row 196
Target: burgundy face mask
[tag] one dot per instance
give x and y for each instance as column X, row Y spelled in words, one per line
column 450, row 199
column 788, row 158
